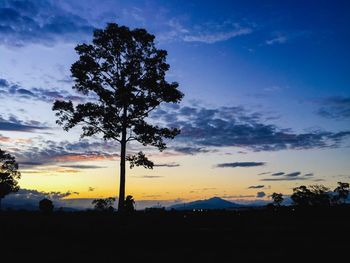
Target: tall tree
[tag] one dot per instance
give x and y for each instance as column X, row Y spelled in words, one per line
column 9, row 174
column 125, row 72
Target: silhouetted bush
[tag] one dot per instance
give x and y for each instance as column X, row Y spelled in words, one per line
column 104, row 205
column 341, row 193
column 277, row 198
column 46, row 206
column 129, row 204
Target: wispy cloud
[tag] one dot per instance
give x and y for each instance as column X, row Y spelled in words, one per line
column 56, row 153
column 8, row 89
column 167, row 165
column 150, row 176
column 276, row 40
column 337, row 108
column 211, row 128
column 82, row 166
column 213, row 37
column 14, row 124
column 44, row 22
column 278, row 174
column 208, row 33
column 293, row 176
column 239, row 164
column 256, row 186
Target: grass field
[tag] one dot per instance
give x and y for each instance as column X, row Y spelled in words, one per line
column 218, row 236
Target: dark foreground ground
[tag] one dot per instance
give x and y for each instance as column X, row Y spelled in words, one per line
column 257, row 235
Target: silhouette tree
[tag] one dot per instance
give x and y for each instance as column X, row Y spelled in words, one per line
column 301, row 196
column 315, row 195
column 46, row 206
column 104, row 205
column 321, row 196
column 125, row 72
column 342, row 193
column 277, row 198
column 129, row 204
column 9, row 175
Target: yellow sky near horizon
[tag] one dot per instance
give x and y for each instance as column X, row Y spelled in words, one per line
column 192, row 179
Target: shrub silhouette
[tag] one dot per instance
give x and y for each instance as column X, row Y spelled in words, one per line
column 104, row 204
column 129, row 204
column 9, row 175
column 46, row 206
column 127, row 74
column 277, row 198
column 342, row 193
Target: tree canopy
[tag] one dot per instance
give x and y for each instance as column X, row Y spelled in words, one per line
column 314, row 195
column 124, row 73
column 9, row 174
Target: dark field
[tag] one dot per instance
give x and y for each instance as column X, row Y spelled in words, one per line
column 255, row 235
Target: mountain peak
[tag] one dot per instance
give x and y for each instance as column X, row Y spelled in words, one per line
column 211, row 203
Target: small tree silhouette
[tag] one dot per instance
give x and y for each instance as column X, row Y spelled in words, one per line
column 104, row 204
column 126, row 73
column 277, row 198
column 46, row 206
column 342, row 193
column 129, row 204
column 9, row 175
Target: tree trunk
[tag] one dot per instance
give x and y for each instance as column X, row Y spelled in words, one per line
column 122, row 177
column 121, row 198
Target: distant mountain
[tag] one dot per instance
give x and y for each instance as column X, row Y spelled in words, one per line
column 212, row 203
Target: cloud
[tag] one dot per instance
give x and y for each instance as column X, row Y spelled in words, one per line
column 337, row 108
column 167, row 165
column 213, row 37
column 208, row 33
column 14, row 124
column 51, row 153
column 91, row 189
column 260, row 194
column 236, row 127
column 293, row 174
column 264, row 173
column 237, row 196
column 189, row 150
column 4, row 138
column 82, row 166
column 150, row 176
column 240, row 164
column 29, row 199
column 276, row 40
column 278, row 174
column 284, row 179
column 44, row 22
column 256, row 186
column 8, row 89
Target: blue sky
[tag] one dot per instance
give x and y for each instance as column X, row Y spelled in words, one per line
column 265, row 82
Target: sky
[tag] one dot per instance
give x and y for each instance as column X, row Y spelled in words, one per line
column 266, row 106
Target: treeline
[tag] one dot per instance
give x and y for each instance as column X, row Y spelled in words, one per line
column 315, row 195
